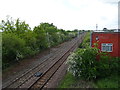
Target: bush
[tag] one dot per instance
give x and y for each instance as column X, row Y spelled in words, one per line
column 30, row 39
column 82, row 63
column 107, row 66
column 115, row 65
column 19, row 41
column 103, row 66
column 12, row 47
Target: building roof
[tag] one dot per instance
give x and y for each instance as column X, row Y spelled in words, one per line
column 108, row 31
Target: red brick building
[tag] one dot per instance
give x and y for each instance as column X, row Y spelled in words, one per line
column 107, row 42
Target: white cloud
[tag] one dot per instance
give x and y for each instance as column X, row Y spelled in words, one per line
column 66, row 14
column 110, row 1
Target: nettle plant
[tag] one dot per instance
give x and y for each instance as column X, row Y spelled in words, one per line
column 82, row 63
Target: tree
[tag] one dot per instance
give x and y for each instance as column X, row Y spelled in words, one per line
column 8, row 25
column 41, row 37
column 21, row 27
column 12, row 47
column 11, row 26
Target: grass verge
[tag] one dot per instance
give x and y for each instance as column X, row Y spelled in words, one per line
column 109, row 82
column 70, row 81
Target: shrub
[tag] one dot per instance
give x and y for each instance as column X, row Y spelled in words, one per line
column 30, row 40
column 115, row 65
column 19, row 41
column 103, row 66
column 107, row 66
column 82, row 63
column 12, row 47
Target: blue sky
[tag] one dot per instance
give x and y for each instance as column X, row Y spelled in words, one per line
column 65, row 14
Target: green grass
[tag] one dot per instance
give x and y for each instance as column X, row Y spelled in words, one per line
column 68, row 80
column 86, row 41
column 108, row 82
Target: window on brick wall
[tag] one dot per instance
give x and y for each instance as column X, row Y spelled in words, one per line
column 107, row 47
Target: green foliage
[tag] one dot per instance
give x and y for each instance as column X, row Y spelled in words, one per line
column 83, row 66
column 69, row 79
column 12, row 47
column 108, row 82
column 21, row 27
column 53, row 36
column 115, row 65
column 107, row 65
column 17, row 27
column 41, row 37
column 8, row 25
column 86, row 41
column 30, row 39
column 84, row 62
column 19, row 41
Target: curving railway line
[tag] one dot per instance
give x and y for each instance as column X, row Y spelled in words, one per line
column 39, row 75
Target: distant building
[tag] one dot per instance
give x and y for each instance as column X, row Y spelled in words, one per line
column 107, row 41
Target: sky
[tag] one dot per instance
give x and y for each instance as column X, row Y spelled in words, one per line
column 65, row 14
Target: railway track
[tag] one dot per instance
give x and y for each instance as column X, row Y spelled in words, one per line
column 46, row 68
column 50, row 72
column 18, row 78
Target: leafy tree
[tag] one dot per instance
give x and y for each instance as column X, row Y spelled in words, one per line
column 30, row 39
column 21, row 27
column 12, row 47
column 8, row 25
column 41, row 37
column 52, row 31
column 19, row 41
column 12, row 26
